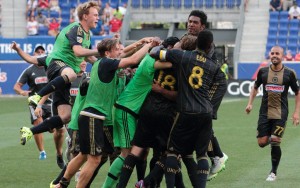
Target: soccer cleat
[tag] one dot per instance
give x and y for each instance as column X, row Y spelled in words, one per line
column 52, row 185
column 60, row 161
column 219, row 164
column 26, row 135
column 43, row 155
column 211, row 176
column 271, row 177
column 139, row 184
column 34, row 99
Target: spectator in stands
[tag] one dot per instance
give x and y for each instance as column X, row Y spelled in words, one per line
column 42, row 20
column 115, row 25
column 32, row 26
column 54, row 27
column 43, row 4
column 31, row 7
column 297, row 56
column 123, row 8
column 275, row 5
column 288, row 56
column 294, row 12
column 118, row 14
column 287, row 4
column 108, row 12
column 54, row 6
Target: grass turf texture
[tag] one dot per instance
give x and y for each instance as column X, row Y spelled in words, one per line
column 248, row 165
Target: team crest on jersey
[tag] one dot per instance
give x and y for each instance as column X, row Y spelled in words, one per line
column 274, row 88
column 274, row 79
column 79, row 39
column 41, row 80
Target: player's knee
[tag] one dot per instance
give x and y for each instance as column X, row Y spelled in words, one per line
column 275, row 141
column 262, row 142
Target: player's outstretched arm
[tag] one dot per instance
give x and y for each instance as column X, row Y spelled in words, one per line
column 28, row 58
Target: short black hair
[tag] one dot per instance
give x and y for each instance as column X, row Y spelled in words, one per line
column 204, row 40
column 170, row 41
column 200, row 14
column 39, row 48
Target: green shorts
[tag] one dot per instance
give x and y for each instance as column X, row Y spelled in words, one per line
column 124, row 128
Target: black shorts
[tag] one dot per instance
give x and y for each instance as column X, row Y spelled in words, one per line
column 216, row 94
column 61, row 95
column 46, row 112
column 153, row 129
column 190, row 132
column 268, row 127
column 108, row 140
column 73, row 145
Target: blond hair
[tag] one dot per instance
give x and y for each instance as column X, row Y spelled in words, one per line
column 85, row 7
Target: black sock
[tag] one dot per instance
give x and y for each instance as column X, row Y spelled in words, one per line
column 191, row 167
column 64, row 182
column 171, row 170
column 275, row 155
column 203, row 171
column 58, row 82
column 156, row 174
column 216, row 147
column 61, row 174
column 47, row 125
column 141, row 166
column 103, row 161
column 127, row 169
column 210, row 151
column 178, row 178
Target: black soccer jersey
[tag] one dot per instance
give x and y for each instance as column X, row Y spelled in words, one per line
column 196, row 73
column 275, row 90
column 35, row 77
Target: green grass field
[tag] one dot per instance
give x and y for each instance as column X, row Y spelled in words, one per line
column 248, row 165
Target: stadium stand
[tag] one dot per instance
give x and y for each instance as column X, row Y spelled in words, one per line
column 287, row 31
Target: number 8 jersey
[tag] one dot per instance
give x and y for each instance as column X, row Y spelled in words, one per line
column 196, row 73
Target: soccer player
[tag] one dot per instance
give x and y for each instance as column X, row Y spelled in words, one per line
column 71, row 47
column 35, row 77
column 154, row 124
column 126, row 111
column 197, row 22
column 97, row 110
column 276, row 80
column 192, row 127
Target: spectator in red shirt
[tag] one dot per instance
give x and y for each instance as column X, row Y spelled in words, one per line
column 54, row 26
column 288, row 56
column 115, row 25
column 297, row 56
column 43, row 4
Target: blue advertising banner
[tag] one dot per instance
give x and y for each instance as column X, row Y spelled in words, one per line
column 249, row 70
column 28, row 45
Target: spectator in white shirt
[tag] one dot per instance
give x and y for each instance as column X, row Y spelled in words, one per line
column 294, row 12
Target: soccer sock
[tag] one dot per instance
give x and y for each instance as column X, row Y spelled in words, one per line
column 216, row 147
column 47, row 125
column 58, row 82
column 178, row 178
column 141, row 165
column 171, row 170
column 203, row 171
column 61, row 174
column 275, row 156
column 113, row 173
column 103, row 161
column 156, row 174
column 210, row 151
column 127, row 169
column 191, row 167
